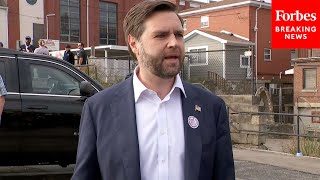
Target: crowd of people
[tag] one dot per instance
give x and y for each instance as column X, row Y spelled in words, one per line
column 43, row 49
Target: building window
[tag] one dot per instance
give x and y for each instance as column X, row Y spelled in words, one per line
column 108, row 23
column 294, row 55
column 194, row 4
column 204, row 21
column 198, row 55
column 70, row 20
column 184, row 24
column 267, row 54
column 315, row 119
column 244, row 61
column 309, row 78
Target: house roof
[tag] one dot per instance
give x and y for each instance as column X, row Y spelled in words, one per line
column 225, row 4
column 222, row 37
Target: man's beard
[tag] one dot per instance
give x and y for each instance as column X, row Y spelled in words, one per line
column 158, row 67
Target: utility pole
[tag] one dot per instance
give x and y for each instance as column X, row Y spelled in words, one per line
column 48, row 15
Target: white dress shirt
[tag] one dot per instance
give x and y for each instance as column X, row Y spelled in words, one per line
column 160, row 132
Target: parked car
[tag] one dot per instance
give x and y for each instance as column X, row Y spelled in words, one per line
column 40, row 121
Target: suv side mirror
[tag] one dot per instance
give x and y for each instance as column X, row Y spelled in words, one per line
column 86, row 89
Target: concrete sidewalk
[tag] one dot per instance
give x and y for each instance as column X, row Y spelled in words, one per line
column 303, row 164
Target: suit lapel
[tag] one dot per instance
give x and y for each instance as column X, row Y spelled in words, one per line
column 193, row 144
column 123, row 111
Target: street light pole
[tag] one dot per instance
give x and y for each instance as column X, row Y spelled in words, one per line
column 256, row 46
column 48, row 24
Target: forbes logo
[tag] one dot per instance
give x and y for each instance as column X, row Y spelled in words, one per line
column 296, row 16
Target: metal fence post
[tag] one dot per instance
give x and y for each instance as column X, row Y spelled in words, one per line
column 299, row 153
column 129, row 64
column 280, row 103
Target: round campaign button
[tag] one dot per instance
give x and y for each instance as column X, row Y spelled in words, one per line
column 193, row 122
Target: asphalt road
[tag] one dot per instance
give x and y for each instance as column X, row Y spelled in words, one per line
column 254, row 171
column 249, row 164
column 245, row 170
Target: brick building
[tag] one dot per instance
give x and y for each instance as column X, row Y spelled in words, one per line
column 93, row 22
column 306, row 90
column 98, row 22
column 239, row 17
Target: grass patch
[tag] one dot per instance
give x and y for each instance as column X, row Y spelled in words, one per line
column 309, row 146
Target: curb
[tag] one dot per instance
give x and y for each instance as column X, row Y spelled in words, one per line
column 276, row 152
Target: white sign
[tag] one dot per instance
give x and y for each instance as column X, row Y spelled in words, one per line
column 52, row 45
column 248, row 53
column 58, row 54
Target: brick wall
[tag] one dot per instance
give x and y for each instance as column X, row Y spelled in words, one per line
column 310, row 97
column 53, row 7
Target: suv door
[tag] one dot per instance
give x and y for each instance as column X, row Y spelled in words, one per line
column 10, row 139
column 51, row 106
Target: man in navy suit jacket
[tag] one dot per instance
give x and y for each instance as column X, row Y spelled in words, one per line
column 27, row 47
column 153, row 126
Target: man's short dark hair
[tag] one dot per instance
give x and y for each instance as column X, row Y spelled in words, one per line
column 133, row 23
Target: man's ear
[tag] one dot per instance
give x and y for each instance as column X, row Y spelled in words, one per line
column 133, row 43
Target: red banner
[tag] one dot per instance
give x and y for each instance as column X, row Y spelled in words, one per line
column 295, row 24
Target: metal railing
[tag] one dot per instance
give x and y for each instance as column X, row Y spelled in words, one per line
column 297, row 133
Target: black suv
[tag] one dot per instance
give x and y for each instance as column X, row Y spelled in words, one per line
column 42, row 111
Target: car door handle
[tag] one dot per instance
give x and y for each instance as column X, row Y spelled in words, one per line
column 38, row 107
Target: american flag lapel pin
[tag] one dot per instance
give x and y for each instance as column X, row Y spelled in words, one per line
column 197, row 108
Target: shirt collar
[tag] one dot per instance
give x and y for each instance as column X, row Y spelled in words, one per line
column 138, row 87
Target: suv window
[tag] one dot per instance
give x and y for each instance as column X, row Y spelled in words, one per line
column 47, row 80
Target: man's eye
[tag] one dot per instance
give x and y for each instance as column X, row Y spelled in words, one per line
column 179, row 35
column 160, row 35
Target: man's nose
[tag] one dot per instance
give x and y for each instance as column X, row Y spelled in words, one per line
column 173, row 41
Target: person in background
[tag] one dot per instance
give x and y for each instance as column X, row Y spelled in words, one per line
column 3, row 93
column 1, row 45
column 42, row 49
column 153, row 125
column 82, row 55
column 27, row 47
column 68, row 55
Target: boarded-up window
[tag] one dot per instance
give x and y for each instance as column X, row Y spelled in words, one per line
column 309, row 78
column 204, row 21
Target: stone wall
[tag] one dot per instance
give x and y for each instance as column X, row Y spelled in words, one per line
column 242, row 124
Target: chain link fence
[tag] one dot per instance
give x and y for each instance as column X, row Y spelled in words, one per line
column 221, row 71
column 109, row 71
